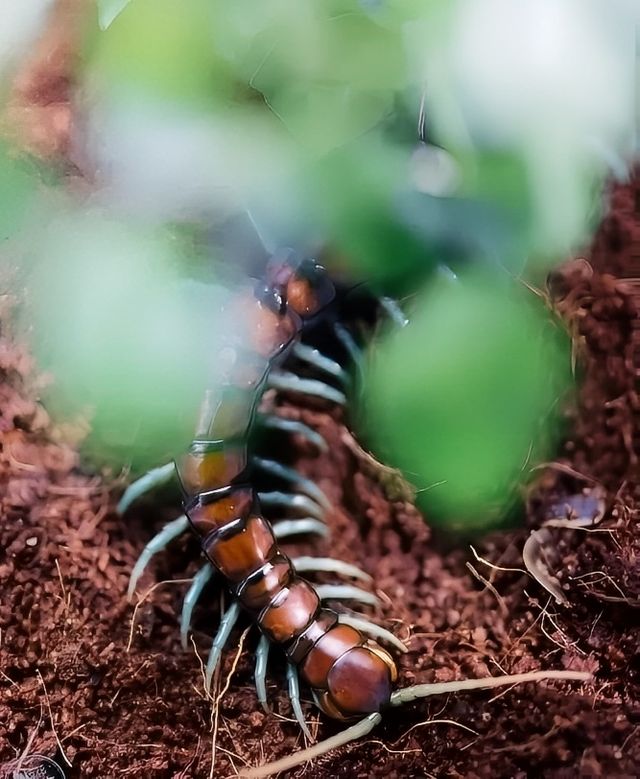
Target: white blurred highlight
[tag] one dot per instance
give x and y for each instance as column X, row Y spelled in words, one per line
column 554, row 81
column 21, row 21
column 162, row 161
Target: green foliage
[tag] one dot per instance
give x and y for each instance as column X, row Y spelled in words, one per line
column 459, row 397
column 162, row 49
column 17, row 192
column 129, row 342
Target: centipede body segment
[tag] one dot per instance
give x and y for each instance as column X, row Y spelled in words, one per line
column 349, row 673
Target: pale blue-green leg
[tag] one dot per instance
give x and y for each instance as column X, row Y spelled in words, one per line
column 393, row 311
column 286, row 528
column 152, row 479
column 346, row 592
column 285, row 381
column 352, row 349
column 262, row 658
column 320, row 361
column 329, row 565
column 293, row 427
column 227, row 624
column 294, row 695
column 168, row 533
column 191, row 598
column 375, row 631
column 304, row 485
column 346, row 736
column 291, row 500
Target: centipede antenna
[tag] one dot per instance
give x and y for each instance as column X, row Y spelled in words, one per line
column 168, row 533
column 399, row 698
column 292, row 500
column 262, row 658
column 152, row 479
column 393, row 311
column 346, row 592
column 329, row 565
column 320, row 361
column 294, row 427
column 373, row 630
column 359, row 730
column 294, row 696
column 352, row 349
column 296, row 527
column 408, row 694
column 191, row 598
column 305, row 486
column 227, row 624
column 285, row 381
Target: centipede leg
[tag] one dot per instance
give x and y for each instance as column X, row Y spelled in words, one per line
column 262, row 658
column 227, row 624
column 293, row 427
column 290, row 500
column 285, row 381
column 393, row 311
column 152, row 479
column 352, row 349
column 329, row 565
column 320, row 361
column 168, row 533
column 296, row 527
column 373, row 630
column 191, row 598
column 346, row 592
column 294, row 696
column 304, row 485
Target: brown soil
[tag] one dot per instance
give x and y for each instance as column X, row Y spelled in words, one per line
column 77, row 678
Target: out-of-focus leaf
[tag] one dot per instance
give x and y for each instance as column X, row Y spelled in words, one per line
column 17, row 188
column 458, row 398
column 20, row 24
column 109, row 10
column 130, row 345
column 305, row 110
column 163, row 49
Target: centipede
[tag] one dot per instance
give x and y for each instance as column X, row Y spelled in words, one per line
column 293, row 309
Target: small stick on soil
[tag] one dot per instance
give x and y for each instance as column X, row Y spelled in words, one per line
column 223, row 692
column 29, row 744
column 53, row 724
column 493, row 566
column 143, row 598
column 490, row 587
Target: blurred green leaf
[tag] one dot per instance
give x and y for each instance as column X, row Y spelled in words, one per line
column 129, row 343
column 163, row 49
column 459, row 397
column 17, row 188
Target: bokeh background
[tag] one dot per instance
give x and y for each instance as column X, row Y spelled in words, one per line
column 446, row 152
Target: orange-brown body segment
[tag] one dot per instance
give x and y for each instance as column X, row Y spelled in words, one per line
column 349, row 674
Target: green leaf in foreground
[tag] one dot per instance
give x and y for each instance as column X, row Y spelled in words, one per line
column 129, row 343
column 458, row 398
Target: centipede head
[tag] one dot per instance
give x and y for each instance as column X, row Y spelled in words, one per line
column 299, row 282
column 359, row 682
